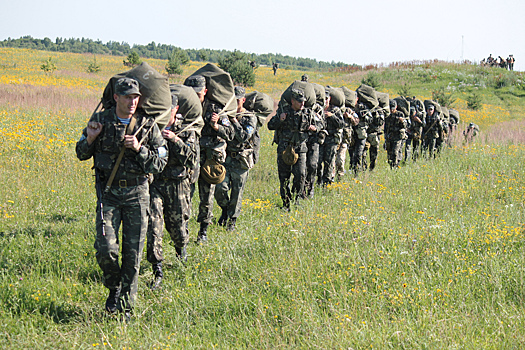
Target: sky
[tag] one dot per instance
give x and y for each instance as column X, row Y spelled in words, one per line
column 361, row 32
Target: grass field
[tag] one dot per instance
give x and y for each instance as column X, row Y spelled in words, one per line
column 428, row 256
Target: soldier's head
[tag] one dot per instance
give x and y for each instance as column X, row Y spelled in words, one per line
column 127, row 95
column 327, row 98
column 297, row 99
column 240, row 95
column 304, row 77
column 430, row 110
column 198, row 83
column 174, row 108
column 393, row 106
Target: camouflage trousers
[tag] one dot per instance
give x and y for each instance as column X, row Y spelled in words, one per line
column 298, row 170
column 234, row 181
column 357, row 155
column 394, row 149
column 412, row 148
column 372, row 148
column 340, row 159
column 170, row 206
column 429, row 144
column 206, row 192
column 326, row 165
column 130, row 207
column 312, row 158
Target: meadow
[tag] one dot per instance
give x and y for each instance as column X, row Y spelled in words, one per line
column 427, row 256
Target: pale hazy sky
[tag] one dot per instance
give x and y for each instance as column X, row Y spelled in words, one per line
column 362, row 32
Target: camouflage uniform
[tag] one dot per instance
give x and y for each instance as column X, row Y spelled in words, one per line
column 360, row 132
column 414, row 133
column 346, row 142
column 293, row 130
column 328, row 149
column 312, row 155
column 212, row 145
column 239, row 159
column 374, row 131
column 126, row 201
column 395, row 133
column 170, row 197
column 431, row 132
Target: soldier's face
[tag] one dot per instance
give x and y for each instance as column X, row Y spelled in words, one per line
column 430, row 111
column 201, row 94
column 126, row 104
column 296, row 105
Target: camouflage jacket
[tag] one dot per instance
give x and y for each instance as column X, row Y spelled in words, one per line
column 395, row 126
column 245, row 128
column 334, row 124
column 183, row 156
column 433, row 126
column 294, row 129
column 151, row 158
column 209, row 136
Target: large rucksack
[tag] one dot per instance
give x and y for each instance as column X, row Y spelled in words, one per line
column 384, row 102
column 350, row 97
column 155, row 101
column 368, row 96
column 220, row 87
column 307, row 88
column 454, row 115
column 403, row 105
column 190, row 107
column 337, row 96
column 259, row 103
column 320, row 94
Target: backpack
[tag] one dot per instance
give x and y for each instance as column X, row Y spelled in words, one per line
column 190, row 107
column 155, row 101
column 367, row 95
column 403, row 105
column 307, row 88
column 350, row 97
column 337, row 96
column 384, row 102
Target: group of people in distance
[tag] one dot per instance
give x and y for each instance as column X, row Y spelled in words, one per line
column 147, row 174
column 499, row 62
column 315, row 127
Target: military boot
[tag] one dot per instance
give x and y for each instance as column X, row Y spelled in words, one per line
column 202, row 235
column 113, row 301
column 181, row 254
column 224, row 217
column 231, row 224
column 157, row 276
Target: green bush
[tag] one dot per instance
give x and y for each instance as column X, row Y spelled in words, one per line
column 474, row 101
column 238, row 65
column 372, row 79
column 48, row 66
column 132, row 60
column 444, row 98
column 93, row 66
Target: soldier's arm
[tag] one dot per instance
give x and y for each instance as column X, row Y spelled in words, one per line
column 153, row 155
column 185, row 149
column 83, row 149
column 274, row 123
column 244, row 132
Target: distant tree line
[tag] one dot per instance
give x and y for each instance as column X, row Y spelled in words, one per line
column 162, row 51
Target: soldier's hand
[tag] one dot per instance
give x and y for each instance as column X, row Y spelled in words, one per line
column 282, row 116
column 170, row 135
column 214, row 121
column 93, row 130
column 131, row 142
column 312, row 128
column 328, row 114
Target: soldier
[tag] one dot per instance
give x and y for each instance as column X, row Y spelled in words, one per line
column 293, row 123
column 126, row 197
column 470, row 132
column 216, row 132
column 333, row 119
column 510, row 62
column 239, row 160
column 170, row 193
column 360, row 132
column 316, row 136
column 374, row 131
column 304, row 77
column 395, row 133
column 431, row 130
column 350, row 119
column 275, row 67
column 414, row 132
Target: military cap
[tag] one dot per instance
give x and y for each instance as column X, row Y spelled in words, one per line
column 239, row 92
column 127, row 86
column 393, row 103
column 298, row 95
column 174, row 100
column 197, row 82
column 431, row 107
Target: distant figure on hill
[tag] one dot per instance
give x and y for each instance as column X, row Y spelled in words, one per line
column 275, row 67
column 470, row 132
column 510, row 62
column 305, row 77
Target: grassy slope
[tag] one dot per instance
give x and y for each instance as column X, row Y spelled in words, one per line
column 428, row 256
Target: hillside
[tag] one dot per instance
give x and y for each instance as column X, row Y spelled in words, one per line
column 429, row 255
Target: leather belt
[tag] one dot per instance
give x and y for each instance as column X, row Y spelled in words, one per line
column 125, row 183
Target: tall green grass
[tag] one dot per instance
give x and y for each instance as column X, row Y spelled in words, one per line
column 429, row 255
